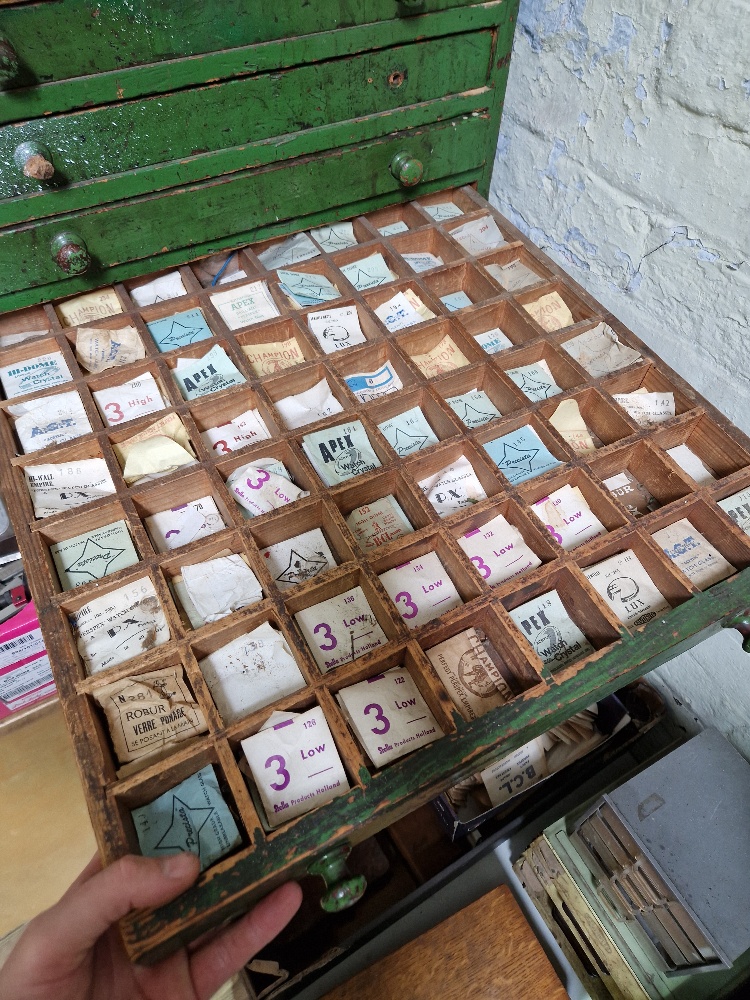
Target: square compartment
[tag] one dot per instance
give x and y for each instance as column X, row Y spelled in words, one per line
column 119, row 376
column 298, row 380
column 25, row 352
column 13, row 442
column 644, row 462
column 206, row 269
column 276, row 331
column 460, row 197
column 464, row 278
column 714, row 447
column 506, row 255
column 439, row 416
column 600, row 416
column 170, row 494
column 405, row 213
column 23, row 325
column 287, row 452
column 189, row 283
column 215, row 412
column 497, row 429
column 390, row 483
column 371, row 328
column 647, row 377
column 427, row 338
column 727, row 539
column 371, row 358
column 426, row 241
column 197, row 353
column 100, row 305
column 565, row 374
column 599, row 501
column 378, row 296
column 421, row 467
column 580, row 309
column 120, row 435
column 354, row 254
column 501, row 392
column 504, row 315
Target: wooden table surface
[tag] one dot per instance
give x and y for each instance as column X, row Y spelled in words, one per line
column 486, row 951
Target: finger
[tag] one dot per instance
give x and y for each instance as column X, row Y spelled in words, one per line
column 213, row 964
column 86, row 911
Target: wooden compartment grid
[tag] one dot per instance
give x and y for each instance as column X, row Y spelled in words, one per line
column 235, row 881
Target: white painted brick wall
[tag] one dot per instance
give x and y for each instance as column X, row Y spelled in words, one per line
column 625, row 153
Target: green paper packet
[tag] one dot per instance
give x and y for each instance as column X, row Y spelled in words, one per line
column 93, row 555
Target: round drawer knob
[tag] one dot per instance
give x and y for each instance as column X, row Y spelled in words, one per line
column 342, row 888
column 35, row 161
column 407, row 169
column 9, row 62
column 70, row 254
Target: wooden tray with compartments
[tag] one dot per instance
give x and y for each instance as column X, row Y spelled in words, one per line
column 542, row 695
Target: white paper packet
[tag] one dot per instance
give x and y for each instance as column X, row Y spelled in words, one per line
column 251, row 672
column 422, row 261
column 550, row 631
column 689, row 462
column 567, row 516
column 498, row 551
column 473, row 408
column 535, row 381
column 453, row 488
column 394, row 229
column 400, row 312
column 98, row 349
column 245, row 305
column 214, row 372
column 368, row 272
column 374, row 524
column 389, row 716
column 408, row 432
column 338, row 236
column 693, row 554
column 493, row 341
column 367, row 386
column 340, row 629
column 168, row 286
column 600, row 352
column 298, row 559
column 442, row 211
column 292, row 250
column 178, row 526
column 513, row 276
column 136, row 398
column 263, row 485
column 737, row 506
column 515, row 773
column 421, row 589
column 242, row 430
column 550, row 312
column 647, row 408
column 218, row 587
column 624, row 584
column 55, row 488
column 336, row 329
column 42, row 372
column 306, row 407
column 479, row 235
column 49, row 420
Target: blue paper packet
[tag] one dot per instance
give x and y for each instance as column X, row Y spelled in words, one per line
column 307, row 289
column 369, row 385
column 408, row 432
column 456, row 300
column 192, row 817
column 473, row 408
column 521, row 455
column 179, row 330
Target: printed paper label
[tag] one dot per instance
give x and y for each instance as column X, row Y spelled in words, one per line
column 701, row 563
column 340, row 453
column 242, row 430
column 550, row 631
column 647, row 408
column 54, row 488
column 628, row 589
column 23, row 377
column 218, row 587
column 266, row 359
column 631, row 494
column 93, row 555
column 336, row 329
column 132, row 399
column 49, row 420
column 513, row 276
column 453, row 488
column 368, row 272
column 550, row 312
column 263, row 485
column 521, row 455
column 367, row 386
column 479, row 235
column 214, row 372
column 443, row 357
column 493, row 340
column 689, row 462
column 293, row 250
column 170, row 529
column 443, row 211
column 306, row 407
column 339, row 236
column 299, row 559
column 421, row 589
column 600, row 352
column 168, row 286
column 304, row 288
column 340, row 629
column 98, row 349
column 89, row 307
column 408, row 432
column 246, row 305
column 571, row 426
column 474, row 408
column 535, row 381
column 470, row 674
column 179, row 330
column 516, row 772
column 568, row 517
column 738, row 508
column 498, row 551
column 374, row 524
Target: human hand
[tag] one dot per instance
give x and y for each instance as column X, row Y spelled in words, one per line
column 74, row 951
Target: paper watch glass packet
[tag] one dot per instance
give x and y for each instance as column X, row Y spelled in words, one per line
column 338, row 236
column 689, row 462
column 43, row 372
column 178, row 526
column 368, row 272
column 93, row 554
column 403, row 310
column 215, row 588
column 647, row 408
column 214, row 372
column 737, row 506
column 42, row 422
column 135, row 398
column 367, row 386
column 55, row 488
column 442, row 211
column 263, row 485
column 168, row 286
column 251, row 672
column 498, row 551
column 469, row 667
column 568, row 517
column 120, row 625
column 245, row 305
column 299, row 559
column 340, row 629
column 388, row 715
column 99, row 349
column 192, row 816
column 600, row 352
column 535, row 381
column 179, row 330
column 421, row 589
column 422, row 261
column 453, row 488
column 267, row 359
column 340, row 453
column 393, row 229
column 473, row 408
column 295, row 764
column 513, row 276
column 156, row 451
column 456, row 300
column 293, row 250
column 374, row 524
column 493, row 341
column 550, row 312
column 315, row 403
column 306, row 288
column 550, row 631
column 570, row 425
column 624, row 584
column 336, row 329
column 479, row 235
column 149, row 714
column 443, row 357
column 408, row 432
column 693, row 554
column 89, row 307
column 521, row 455
column 244, row 429
column 632, row 494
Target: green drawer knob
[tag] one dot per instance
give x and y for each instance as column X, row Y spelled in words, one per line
column 407, row 169
column 9, row 62
column 411, row 6
column 741, row 622
column 35, row 161
column 70, row 254
column 342, row 888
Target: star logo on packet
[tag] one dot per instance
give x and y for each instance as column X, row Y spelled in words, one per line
column 183, row 833
column 302, row 568
column 404, row 443
column 180, row 334
column 95, row 560
column 518, row 458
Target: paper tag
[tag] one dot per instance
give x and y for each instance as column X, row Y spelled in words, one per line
column 299, row 559
column 340, row 629
column 471, row 677
column 600, row 352
column 306, row 407
column 498, row 551
column 258, row 489
column 168, row 286
column 98, row 349
column 338, row 236
column 27, row 684
column 93, row 554
column 120, row 625
column 49, row 420
column 571, row 426
column 443, row 211
column 513, row 276
column 453, row 488
column 521, row 455
column 179, row 330
column 89, row 307
column 374, row 524
column 443, row 357
column 689, row 462
column 389, row 716
column 149, row 713
column 479, row 235
column 421, row 589
column 625, row 585
column 631, row 494
column 242, row 430
column 473, row 408
column 535, row 381
column 336, row 329
column 394, row 229
column 170, row 529
column 550, row 312
column 22, row 647
column 214, row 372
column 368, row 272
column 192, row 817
column 568, row 517
column 456, row 300
column 293, row 250
column 493, row 341
column 701, row 563
column 129, row 400
column 422, row 261
column 304, row 288
column 54, row 488
column 515, row 773
column 251, row 672
column 295, row 766
column 340, row 453
column 266, row 359
column 246, row 305
column 408, row 432
column 43, row 372
column 738, row 508
column 550, row 631
column 367, row 386
column 647, row 408
column 218, row 587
